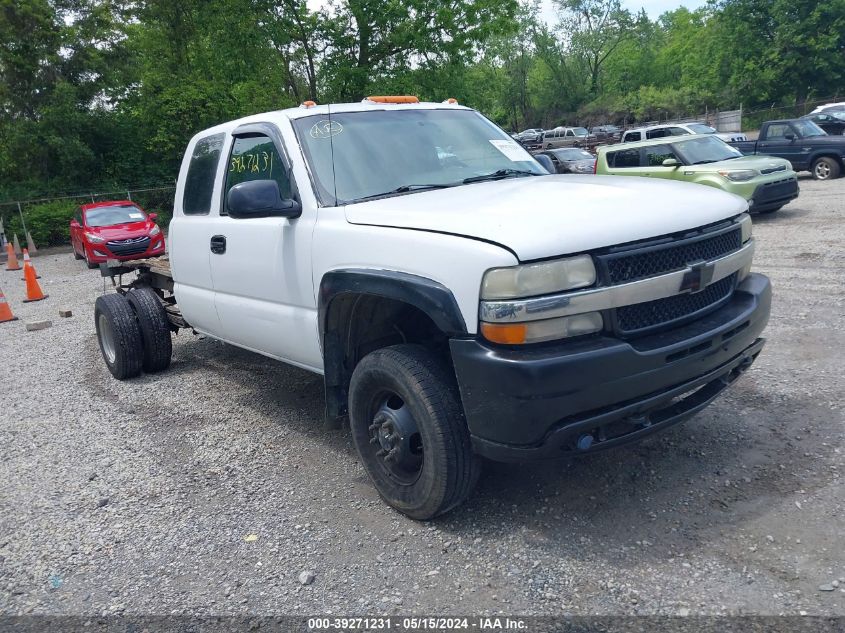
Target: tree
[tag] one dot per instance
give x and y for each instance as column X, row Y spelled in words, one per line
column 783, row 50
column 369, row 39
column 594, row 29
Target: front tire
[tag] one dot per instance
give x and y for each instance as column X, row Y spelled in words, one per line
column 155, row 328
column 825, row 168
column 119, row 336
column 409, row 430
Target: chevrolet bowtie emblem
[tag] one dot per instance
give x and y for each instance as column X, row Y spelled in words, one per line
column 697, row 277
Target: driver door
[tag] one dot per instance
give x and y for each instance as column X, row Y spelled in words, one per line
column 261, row 267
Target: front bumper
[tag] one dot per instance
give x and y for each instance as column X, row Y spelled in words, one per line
column 580, row 396
column 773, row 195
column 100, row 253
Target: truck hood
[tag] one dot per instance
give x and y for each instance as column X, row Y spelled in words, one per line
column 547, row 216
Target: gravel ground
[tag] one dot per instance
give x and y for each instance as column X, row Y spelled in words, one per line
column 212, row 487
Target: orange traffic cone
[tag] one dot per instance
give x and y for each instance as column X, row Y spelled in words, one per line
column 5, row 310
column 27, row 262
column 12, row 263
column 33, row 290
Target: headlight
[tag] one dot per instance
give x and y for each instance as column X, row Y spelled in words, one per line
column 539, row 331
column 538, row 279
column 94, row 239
column 745, row 225
column 740, row 175
column 155, row 231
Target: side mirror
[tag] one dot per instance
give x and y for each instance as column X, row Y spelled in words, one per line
column 152, row 216
column 671, row 162
column 789, row 136
column 260, row 199
column 546, row 162
column 74, row 223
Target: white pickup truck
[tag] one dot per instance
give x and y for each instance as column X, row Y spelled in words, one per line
column 459, row 300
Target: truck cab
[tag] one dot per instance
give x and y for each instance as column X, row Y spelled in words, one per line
column 459, row 301
column 803, row 143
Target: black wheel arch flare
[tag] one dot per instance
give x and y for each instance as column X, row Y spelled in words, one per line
column 430, row 297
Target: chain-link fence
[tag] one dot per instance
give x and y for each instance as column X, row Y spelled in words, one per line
column 47, row 219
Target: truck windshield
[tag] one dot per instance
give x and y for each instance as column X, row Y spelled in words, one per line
column 381, row 153
column 807, row 129
column 700, row 128
column 704, row 149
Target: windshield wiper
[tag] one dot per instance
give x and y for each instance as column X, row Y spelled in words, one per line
column 405, row 189
column 704, row 162
column 499, row 174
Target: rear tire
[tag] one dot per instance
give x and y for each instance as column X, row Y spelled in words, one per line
column 155, row 330
column 402, row 398
column 119, row 336
column 767, row 211
column 76, row 255
column 825, row 168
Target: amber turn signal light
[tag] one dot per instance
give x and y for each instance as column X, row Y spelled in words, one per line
column 504, row 333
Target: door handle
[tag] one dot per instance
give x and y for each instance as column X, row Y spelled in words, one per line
column 218, row 244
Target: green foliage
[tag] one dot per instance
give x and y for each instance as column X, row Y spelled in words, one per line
column 100, row 95
column 48, row 223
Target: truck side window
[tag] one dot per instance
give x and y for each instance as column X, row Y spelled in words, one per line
column 625, row 158
column 255, row 157
column 633, row 136
column 199, row 183
column 777, row 131
column 657, row 154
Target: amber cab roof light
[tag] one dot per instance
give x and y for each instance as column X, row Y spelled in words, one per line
column 308, row 104
column 451, row 101
column 392, row 99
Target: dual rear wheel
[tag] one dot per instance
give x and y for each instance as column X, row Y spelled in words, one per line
column 133, row 332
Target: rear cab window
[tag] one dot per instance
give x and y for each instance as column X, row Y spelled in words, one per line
column 202, row 172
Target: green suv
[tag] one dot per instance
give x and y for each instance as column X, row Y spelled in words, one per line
column 766, row 182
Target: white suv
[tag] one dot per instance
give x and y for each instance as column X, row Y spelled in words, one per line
column 678, row 129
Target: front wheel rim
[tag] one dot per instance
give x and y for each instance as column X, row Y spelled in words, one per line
column 107, row 339
column 822, row 171
column 395, row 440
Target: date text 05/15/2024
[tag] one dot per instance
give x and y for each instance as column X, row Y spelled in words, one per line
column 417, row 623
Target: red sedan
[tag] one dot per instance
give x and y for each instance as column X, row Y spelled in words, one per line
column 118, row 229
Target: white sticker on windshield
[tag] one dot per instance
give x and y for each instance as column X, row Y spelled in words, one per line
column 511, row 149
column 136, row 216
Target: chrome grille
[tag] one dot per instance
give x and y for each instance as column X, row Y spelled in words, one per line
column 657, row 260
column 653, row 259
column 646, row 316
